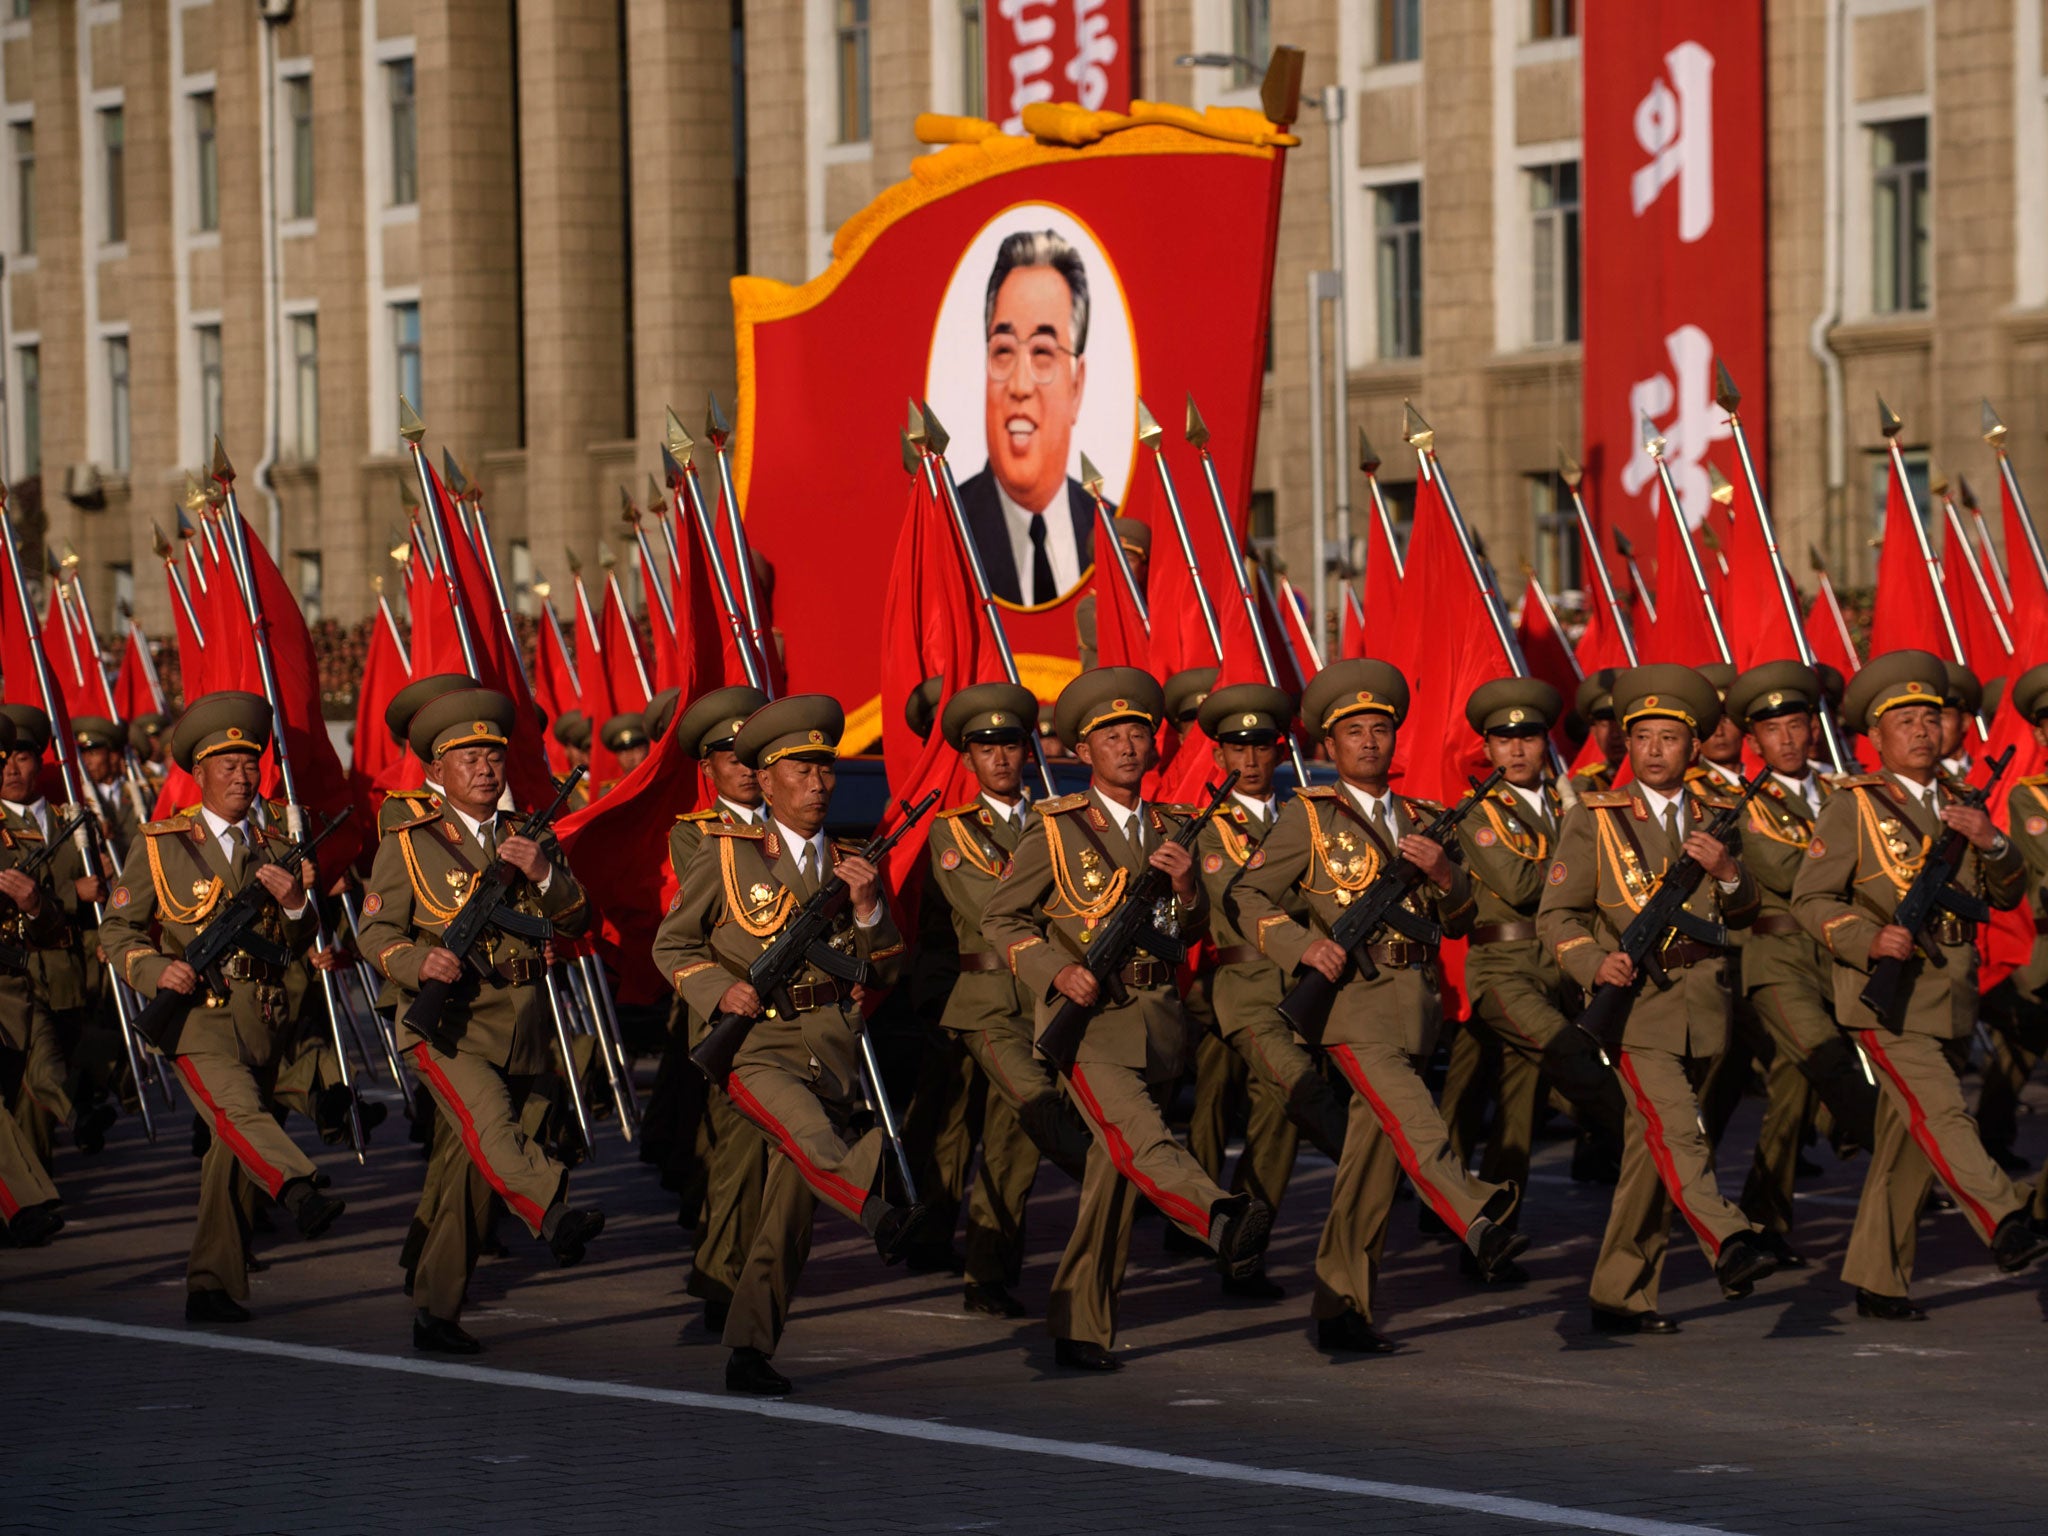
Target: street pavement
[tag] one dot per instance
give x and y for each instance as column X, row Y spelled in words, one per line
column 598, row 1404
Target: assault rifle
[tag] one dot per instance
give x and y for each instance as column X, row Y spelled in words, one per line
column 1930, row 893
column 1125, row 931
column 16, row 960
column 1662, row 918
column 1379, row 905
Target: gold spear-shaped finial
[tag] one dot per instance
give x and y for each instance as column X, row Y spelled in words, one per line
column 1719, row 491
column 1149, row 431
column 671, row 466
column 909, row 451
column 377, row 585
column 1964, row 494
column 1569, row 470
column 408, row 498
column 195, row 499
column 1653, row 441
column 70, row 560
column 1937, row 477
column 575, row 565
column 715, row 425
column 1814, row 561
column 458, row 483
column 410, row 427
column 158, row 543
column 1091, row 477
column 605, row 558
column 1726, row 395
column 401, row 550
column 1368, row 456
column 1420, row 434
column 222, row 471
column 541, row 589
column 628, row 513
column 675, row 438
column 1992, row 428
column 654, row 492
column 915, row 430
column 935, row 434
column 1198, row 429
column 1709, row 538
column 1887, row 419
column 1280, row 90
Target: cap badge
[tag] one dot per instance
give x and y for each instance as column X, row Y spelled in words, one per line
column 1119, row 703
column 1515, row 716
column 1772, row 701
column 997, row 717
column 817, row 738
column 234, row 733
column 482, row 727
column 1365, row 696
column 1248, row 721
column 1650, row 702
column 1915, row 688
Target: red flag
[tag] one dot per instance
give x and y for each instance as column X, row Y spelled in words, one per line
column 1759, row 629
column 1906, row 614
column 1122, row 637
column 554, row 686
column 2023, row 571
column 1827, row 631
column 661, row 665
column 623, row 660
column 598, row 704
column 136, row 689
column 71, row 659
column 1545, row 649
column 1382, row 581
column 1682, row 632
column 707, row 657
column 1970, row 600
column 1351, row 626
column 386, row 669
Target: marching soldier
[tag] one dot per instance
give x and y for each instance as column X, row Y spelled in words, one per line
column 2017, row 1007
column 1784, row 973
column 660, row 714
column 796, row 1076
column 1868, row 846
column 625, row 737
column 1288, row 1097
column 572, row 733
column 1612, row 850
column 1962, row 700
column 1517, row 992
column 180, row 875
column 987, row 1011
column 1330, row 843
column 1594, row 706
column 28, row 1200
column 147, row 734
column 100, row 743
column 1070, row 872
column 496, row 1013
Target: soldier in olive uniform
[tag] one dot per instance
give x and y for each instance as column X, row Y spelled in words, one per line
column 798, row 1073
column 1288, row 1097
column 1518, row 994
column 572, row 732
column 987, row 1011
column 148, row 734
column 495, row 1018
column 28, row 1200
column 625, row 737
column 1962, row 701
column 1784, row 972
column 1069, row 873
column 100, row 753
column 1330, row 844
column 1869, row 843
column 1594, row 706
column 660, row 713
column 2017, row 1008
column 181, row 874
column 1612, row 850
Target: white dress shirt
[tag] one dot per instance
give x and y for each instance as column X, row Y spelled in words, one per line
column 1009, row 815
column 37, row 811
column 1060, row 547
column 1263, row 809
column 1807, row 789
column 1533, row 801
column 745, row 815
column 1368, row 803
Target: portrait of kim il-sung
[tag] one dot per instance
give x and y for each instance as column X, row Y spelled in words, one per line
column 1031, row 519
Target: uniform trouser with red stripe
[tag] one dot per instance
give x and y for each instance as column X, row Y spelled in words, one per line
column 248, row 1143
column 1026, row 1119
column 735, row 1177
column 1923, row 1133
column 23, row 1184
column 44, row 1102
column 820, row 1159
column 1133, row 1156
column 1394, row 1129
column 1666, row 1165
column 484, row 1103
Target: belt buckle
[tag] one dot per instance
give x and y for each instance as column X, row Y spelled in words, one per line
column 800, row 996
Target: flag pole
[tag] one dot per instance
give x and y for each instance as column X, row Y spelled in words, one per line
column 630, row 515
column 1369, row 461
column 1533, row 588
column 1889, row 423
column 681, row 469
column 544, row 591
column 610, row 564
column 1988, row 551
column 1994, row 434
column 1827, row 594
column 1091, row 479
column 131, row 766
column 717, row 430
column 468, row 492
column 1152, row 435
column 1653, row 444
column 435, row 547
column 1962, row 540
column 1570, row 471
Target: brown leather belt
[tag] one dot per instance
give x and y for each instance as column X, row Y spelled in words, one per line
column 1237, row 954
column 1503, row 933
column 1145, row 971
column 1684, row 954
column 243, row 967
column 523, row 972
column 1952, row 931
column 1400, row 952
column 982, row 962
column 1776, row 922
column 807, row 996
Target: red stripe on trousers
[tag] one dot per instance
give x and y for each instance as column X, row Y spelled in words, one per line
column 1660, row 1154
column 1404, row 1151
column 224, row 1128
column 842, row 1192
column 1924, row 1138
column 8, row 1204
column 519, row 1205
column 1173, row 1207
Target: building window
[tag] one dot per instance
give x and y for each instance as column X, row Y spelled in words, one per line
column 1400, row 31
column 17, row 10
column 1397, row 246
column 113, row 176
column 1554, row 529
column 973, row 65
column 23, row 136
column 117, row 404
column 1553, row 18
column 1251, row 40
column 1899, row 215
column 28, row 368
column 308, row 562
column 1554, row 253
column 1880, row 482
column 525, row 601
column 298, row 103
column 852, row 53
column 206, row 163
column 405, row 351
column 404, row 130
column 209, row 388
column 124, row 585
column 1262, row 523
column 305, row 388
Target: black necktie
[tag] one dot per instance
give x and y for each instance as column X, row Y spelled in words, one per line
column 1042, row 590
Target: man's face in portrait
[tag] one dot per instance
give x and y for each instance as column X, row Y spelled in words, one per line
column 1034, row 385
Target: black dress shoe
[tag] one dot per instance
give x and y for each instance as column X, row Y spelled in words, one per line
column 1507, row 1272
column 1743, row 1261
column 1787, row 1256
column 2017, row 1242
column 90, row 1129
column 1429, row 1224
column 1256, row 1286
column 1498, row 1249
column 1080, row 1355
column 1607, row 1320
column 1889, row 1309
column 896, row 1232
column 748, row 1371
column 315, row 1212
column 438, row 1336
column 1350, row 1334
column 1240, row 1226
column 991, row 1298
column 33, row 1226
column 572, row 1231
column 214, row 1307
column 251, row 1265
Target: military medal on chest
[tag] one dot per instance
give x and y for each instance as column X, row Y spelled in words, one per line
column 1092, row 878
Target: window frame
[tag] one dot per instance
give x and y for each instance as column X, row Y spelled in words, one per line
column 23, row 167
column 211, row 376
column 1397, row 32
column 304, row 441
column 117, row 358
column 297, row 173
column 112, row 121
column 403, row 348
column 1398, row 240
column 28, row 369
column 853, row 67
column 1556, row 308
column 203, row 108
column 1901, row 221
column 401, row 133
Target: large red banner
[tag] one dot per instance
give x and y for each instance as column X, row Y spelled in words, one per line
column 1673, row 192
column 1029, row 290
column 1056, row 50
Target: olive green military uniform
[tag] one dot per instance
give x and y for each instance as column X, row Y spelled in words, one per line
column 1867, row 847
column 24, row 1185
column 56, row 974
column 2017, row 1008
column 797, row 1078
column 1612, row 850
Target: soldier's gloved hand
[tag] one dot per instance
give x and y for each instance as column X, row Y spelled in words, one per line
column 1427, row 855
column 1973, row 823
column 1327, row 956
column 91, row 888
column 283, row 886
column 1178, row 865
column 1078, row 984
column 863, row 883
column 21, row 890
column 524, row 855
column 178, row 977
column 742, row 999
column 1892, row 943
column 1617, row 970
column 1713, row 857
column 441, row 965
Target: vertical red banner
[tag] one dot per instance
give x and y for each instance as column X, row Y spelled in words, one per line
column 1056, row 50
column 1674, row 198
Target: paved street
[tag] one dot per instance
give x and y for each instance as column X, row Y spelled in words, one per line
column 598, row 1404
